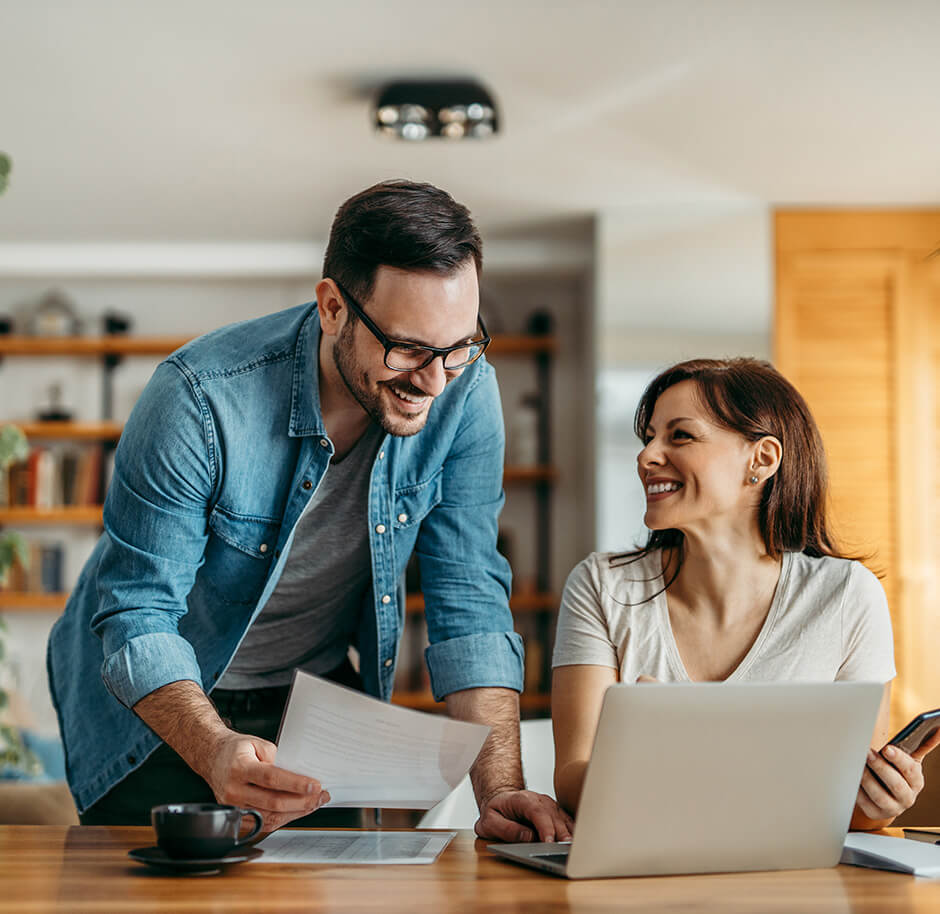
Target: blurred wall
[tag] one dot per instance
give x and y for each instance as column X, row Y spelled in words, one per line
column 672, row 283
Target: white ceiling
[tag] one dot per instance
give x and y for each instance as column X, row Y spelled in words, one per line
column 206, row 120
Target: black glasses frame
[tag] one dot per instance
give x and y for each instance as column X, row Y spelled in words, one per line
column 433, row 352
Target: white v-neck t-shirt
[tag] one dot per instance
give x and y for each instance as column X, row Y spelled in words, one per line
column 828, row 621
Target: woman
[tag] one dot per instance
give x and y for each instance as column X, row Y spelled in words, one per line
column 740, row 579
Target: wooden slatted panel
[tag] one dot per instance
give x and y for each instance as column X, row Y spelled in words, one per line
column 838, row 351
column 933, row 310
column 878, row 273
column 934, row 305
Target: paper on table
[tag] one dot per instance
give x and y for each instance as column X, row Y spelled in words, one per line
column 301, row 845
column 369, row 753
column 899, row 855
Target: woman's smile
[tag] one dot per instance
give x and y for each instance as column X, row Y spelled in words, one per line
column 657, row 488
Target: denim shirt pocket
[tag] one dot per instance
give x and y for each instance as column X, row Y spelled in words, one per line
column 238, row 554
column 414, row 503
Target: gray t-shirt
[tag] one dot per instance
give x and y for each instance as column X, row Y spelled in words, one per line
column 828, row 620
column 309, row 619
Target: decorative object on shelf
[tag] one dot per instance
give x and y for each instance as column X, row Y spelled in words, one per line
column 54, row 411
column 16, row 759
column 416, row 109
column 522, row 447
column 13, row 449
column 6, row 322
column 540, row 323
column 114, row 322
column 54, row 315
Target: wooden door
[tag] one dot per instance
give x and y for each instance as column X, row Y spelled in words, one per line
column 858, row 332
column 835, row 342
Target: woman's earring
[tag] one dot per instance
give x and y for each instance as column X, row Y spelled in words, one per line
column 753, row 480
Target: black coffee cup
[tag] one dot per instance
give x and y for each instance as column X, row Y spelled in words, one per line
column 201, row 831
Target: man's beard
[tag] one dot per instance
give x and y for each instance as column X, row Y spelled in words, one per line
column 369, row 398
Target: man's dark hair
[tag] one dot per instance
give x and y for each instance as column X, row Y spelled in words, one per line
column 399, row 224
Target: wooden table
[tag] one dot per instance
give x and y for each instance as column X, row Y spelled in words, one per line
column 52, row 868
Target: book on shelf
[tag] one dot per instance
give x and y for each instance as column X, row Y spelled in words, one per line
column 58, row 476
column 43, row 573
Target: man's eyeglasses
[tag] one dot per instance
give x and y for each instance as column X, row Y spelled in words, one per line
column 400, row 355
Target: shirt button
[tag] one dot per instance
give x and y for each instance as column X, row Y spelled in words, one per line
column 388, row 663
column 386, row 599
column 402, row 518
column 381, row 455
column 263, row 548
column 307, row 485
column 324, row 442
column 380, row 528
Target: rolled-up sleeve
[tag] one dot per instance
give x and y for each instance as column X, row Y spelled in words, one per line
column 465, row 580
column 155, row 520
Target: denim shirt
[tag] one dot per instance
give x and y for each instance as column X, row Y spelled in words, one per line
column 221, row 453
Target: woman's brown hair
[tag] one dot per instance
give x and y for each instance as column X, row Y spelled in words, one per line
column 752, row 398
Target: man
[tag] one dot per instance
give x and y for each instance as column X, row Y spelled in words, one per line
column 268, row 490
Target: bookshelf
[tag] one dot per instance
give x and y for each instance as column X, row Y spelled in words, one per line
column 89, row 345
column 19, row 601
column 538, row 703
column 79, row 515
column 533, row 607
column 524, row 602
column 71, row 497
column 502, row 344
column 70, row 431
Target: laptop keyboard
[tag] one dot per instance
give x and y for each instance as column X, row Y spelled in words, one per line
column 560, row 859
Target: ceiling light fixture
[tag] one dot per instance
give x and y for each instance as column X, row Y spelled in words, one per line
column 420, row 109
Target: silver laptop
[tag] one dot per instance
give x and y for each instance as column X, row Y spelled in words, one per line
column 716, row 777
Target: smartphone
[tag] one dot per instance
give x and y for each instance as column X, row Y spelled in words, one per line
column 917, row 732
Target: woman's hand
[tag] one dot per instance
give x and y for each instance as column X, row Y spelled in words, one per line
column 890, row 784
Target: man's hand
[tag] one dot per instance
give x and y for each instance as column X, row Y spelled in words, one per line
column 508, row 812
column 242, row 773
column 522, row 816
column 239, row 768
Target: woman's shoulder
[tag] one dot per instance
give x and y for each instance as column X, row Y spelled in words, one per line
column 628, row 577
column 829, row 571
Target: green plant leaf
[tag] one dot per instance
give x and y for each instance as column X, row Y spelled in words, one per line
column 12, row 547
column 13, row 445
column 15, row 755
column 5, row 167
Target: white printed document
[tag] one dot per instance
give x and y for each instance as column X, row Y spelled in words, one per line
column 301, row 845
column 900, row 855
column 366, row 752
